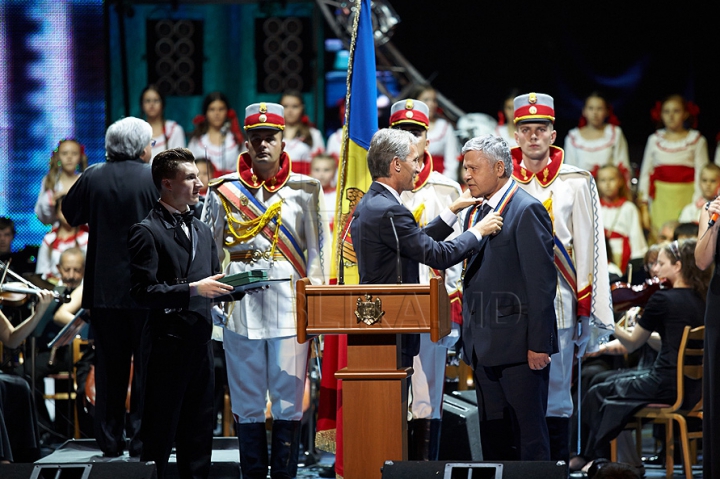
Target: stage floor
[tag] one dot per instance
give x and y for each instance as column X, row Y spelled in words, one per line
column 225, row 458
column 84, row 453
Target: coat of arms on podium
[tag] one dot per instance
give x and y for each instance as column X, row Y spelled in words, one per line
column 369, row 311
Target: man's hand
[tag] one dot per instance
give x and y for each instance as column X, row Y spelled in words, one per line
column 463, row 202
column 491, row 224
column 210, row 287
column 538, row 361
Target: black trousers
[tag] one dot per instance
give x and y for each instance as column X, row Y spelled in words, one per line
column 117, row 334
column 178, row 403
column 18, row 423
column 512, row 401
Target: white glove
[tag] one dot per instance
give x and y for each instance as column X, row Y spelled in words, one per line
column 218, row 316
column 582, row 335
column 452, row 338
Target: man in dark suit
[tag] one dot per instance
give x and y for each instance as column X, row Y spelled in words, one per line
column 394, row 161
column 509, row 329
column 111, row 197
column 174, row 272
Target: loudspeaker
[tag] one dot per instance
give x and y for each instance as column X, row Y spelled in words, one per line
column 96, row 470
column 474, row 470
column 175, row 56
column 460, row 434
column 284, row 54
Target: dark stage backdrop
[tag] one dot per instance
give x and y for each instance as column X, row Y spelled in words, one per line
column 477, row 51
column 52, row 78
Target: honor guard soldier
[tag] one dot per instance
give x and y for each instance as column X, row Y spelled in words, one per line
column 264, row 217
column 582, row 302
column 431, row 194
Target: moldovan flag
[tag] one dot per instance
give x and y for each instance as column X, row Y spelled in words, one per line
column 361, row 123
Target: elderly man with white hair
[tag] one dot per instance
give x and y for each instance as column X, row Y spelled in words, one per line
column 111, row 197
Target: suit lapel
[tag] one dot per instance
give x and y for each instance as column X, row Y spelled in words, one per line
column 476, row 261
column 182, row 253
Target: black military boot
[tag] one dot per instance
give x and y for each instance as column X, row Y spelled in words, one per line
column 252, row 441
column 434, row 443
column 559, row 432
column 285, row 449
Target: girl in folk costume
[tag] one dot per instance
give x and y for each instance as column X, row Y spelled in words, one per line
column 620, row 217
column 505, row 128
column 442, row 142
column 302, row 140
column 709, row 186
column 67, row 162
column 598, row 140
column 324, row 169
column 167, row 134
column 61, row 237
column 217, row 134
column 674, row 156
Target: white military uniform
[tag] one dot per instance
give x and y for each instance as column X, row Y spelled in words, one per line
column 610, row 149
column 432, row 194
column 262, row 352
column 571, row 197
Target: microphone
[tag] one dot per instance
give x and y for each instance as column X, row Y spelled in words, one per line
column 341, row 266
column 398, row 266
column 713, row 218
column 225, row 128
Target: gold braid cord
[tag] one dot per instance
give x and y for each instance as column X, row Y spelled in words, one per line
column 548, row 206
column 418, row 214
column 246, row 230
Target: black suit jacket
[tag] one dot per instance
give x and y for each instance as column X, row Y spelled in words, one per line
column 376, row 249
column 375, row 245
column 509, row 289
column 161, row 269
column 110, row 198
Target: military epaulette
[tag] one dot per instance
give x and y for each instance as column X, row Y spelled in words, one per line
column 217, row 181
column 308, row 182
column 438, row 179
column 566, row 169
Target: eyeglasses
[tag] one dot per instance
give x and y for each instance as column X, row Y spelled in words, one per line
column 675, row 249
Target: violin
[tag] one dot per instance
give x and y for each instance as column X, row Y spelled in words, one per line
column 18, row 293
column 626, row 295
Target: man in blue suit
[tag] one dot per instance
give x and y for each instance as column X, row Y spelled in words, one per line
column 509, row 327
column 394, row 161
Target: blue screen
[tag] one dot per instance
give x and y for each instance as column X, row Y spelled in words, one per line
column 52, row 86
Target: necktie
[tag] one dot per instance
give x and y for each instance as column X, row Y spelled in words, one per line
column 482, row 212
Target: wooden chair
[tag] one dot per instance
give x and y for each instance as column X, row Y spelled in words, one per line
column 70, row 378
column 667, row 414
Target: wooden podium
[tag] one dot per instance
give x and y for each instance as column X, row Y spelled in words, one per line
column 374, row 390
